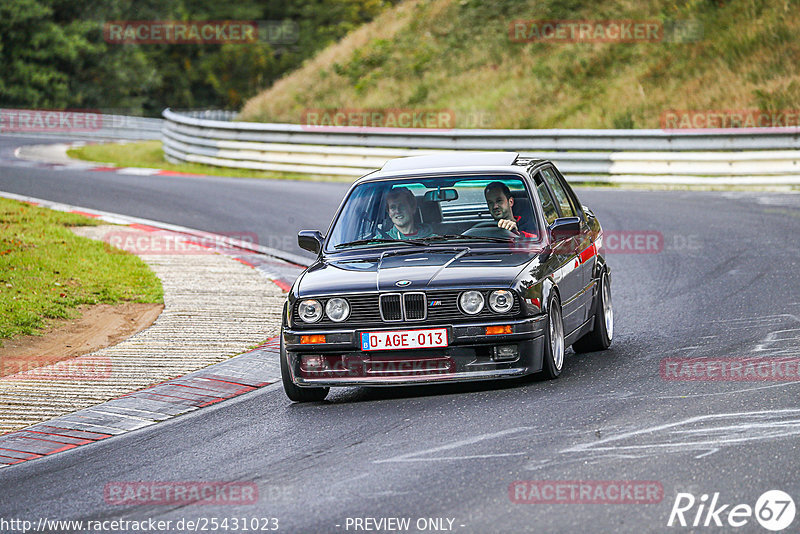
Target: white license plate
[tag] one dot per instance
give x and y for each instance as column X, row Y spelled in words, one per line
column 404, row 339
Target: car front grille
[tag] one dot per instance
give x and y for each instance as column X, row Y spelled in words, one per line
column 414, row 305
column 391, row 309
column 399, row 306
column 439, row 306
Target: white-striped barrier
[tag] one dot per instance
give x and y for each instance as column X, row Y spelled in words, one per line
column 765, row 156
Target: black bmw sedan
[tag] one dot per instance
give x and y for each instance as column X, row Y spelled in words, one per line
column 453, row 267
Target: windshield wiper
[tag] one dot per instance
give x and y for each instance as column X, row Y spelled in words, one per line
column 379, row 240
column 447, row 237
column 425, row 240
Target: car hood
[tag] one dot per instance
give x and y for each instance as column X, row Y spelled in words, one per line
column 410, row 270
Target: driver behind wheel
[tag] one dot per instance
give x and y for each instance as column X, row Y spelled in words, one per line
column 501, row 206
column 402, row 206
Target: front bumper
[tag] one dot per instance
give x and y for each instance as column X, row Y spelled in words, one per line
column 470, row 355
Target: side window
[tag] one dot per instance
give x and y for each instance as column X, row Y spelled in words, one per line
column 550, row 213
column 576, row 204
column 562, row 198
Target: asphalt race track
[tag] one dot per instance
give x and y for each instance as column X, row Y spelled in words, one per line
column 271, row 209
column 723, row 283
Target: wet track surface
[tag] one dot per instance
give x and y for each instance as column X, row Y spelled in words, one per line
column 723, row 284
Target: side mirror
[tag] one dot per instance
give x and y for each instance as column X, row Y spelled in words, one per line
column 565, row 228
column 310, row 240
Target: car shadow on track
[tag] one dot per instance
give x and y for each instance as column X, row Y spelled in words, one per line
column 369, row 394
column 577, row 366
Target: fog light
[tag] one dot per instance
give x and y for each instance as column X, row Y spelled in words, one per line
column 494, row 330
column 305, row 340
column 505, row 352
column 313, row 362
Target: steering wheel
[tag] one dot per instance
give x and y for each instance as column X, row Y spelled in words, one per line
column 378, row 233
column 490, row 229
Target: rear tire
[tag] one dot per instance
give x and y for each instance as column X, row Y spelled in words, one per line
column 295, row 393
column 554, row 341
column 603, row 331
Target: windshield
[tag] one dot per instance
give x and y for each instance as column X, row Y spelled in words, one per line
column 422, row 211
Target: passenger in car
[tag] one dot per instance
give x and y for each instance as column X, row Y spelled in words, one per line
column 401, row 204
column 501, row 206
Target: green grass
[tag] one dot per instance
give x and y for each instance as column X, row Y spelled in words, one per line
column 457, row 55
column 149, row 154
column 46, row 271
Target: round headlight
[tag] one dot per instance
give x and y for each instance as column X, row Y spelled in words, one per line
column 310, row 311
column 337, row 310
column 471, row 302
column 501, row 301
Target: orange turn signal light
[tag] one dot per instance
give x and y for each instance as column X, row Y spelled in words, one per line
column 305, row 340
column 494, row 330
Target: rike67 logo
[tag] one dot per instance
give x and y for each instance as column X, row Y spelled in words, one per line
column 774, row 510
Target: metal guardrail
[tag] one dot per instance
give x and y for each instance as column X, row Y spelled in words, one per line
column 756, row 155
column 127, row 127
column 121, row 127
column 102, row 127
column 209, row 114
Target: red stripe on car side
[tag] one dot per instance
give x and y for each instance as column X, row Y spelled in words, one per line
column 588, row 254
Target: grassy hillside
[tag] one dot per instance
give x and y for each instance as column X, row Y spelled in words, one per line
column 457, row 55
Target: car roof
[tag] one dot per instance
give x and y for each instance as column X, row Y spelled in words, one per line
column 452, row 161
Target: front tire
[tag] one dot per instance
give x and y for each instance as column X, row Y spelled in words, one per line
column 554, row 341
column 295, row 393
column 603, row 330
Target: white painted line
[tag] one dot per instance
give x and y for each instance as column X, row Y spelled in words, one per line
column 732, row 392
column 138, row 171
column 410, row 457
column 707, row 453
column 769, row 424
